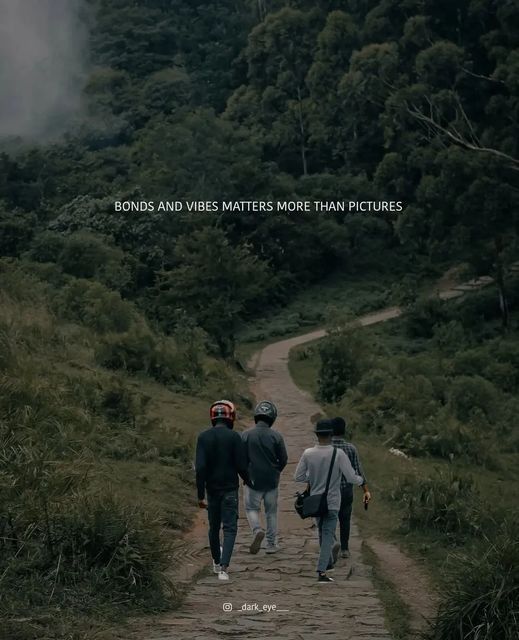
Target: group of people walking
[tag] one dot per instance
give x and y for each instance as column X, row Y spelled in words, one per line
column 258, row 456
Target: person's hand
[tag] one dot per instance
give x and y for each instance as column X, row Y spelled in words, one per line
column 202, row 504
column 366, row 499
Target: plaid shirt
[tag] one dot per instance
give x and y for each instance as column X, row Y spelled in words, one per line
column 351, row 451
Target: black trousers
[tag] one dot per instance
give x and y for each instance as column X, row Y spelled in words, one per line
column 222, row 511
column 345, row 516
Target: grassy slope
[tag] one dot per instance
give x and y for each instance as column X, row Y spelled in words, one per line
column 147, row 464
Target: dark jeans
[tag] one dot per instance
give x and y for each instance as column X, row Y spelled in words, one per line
column 345, row 516
column 222, row 510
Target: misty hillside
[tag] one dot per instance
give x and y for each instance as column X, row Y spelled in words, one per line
column 118, row 329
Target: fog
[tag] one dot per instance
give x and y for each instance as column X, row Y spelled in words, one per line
column 42, row 51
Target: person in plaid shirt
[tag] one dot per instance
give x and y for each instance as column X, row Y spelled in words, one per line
column 339, row 441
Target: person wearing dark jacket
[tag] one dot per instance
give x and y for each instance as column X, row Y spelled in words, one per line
column 267, row 457
column 220, row 459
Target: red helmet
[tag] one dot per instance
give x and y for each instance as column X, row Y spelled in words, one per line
column 222, row 410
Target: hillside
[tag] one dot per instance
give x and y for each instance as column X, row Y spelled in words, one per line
column 98, row 419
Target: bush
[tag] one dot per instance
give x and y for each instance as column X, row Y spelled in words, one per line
column 443, row 437
column 476, row 309
column 139, row 350
column 423, row 315
column 473, row 397
column 449, row 337
column 374, row 381
column 84, row 255
column 101, row 539
column 93, row 305
column 345, row 355
column 446, row 503
column 471, row 362
column 481, row 593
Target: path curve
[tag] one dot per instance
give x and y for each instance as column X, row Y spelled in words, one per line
column 346, row 610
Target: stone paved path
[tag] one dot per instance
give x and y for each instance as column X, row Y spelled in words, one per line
column 346, row 610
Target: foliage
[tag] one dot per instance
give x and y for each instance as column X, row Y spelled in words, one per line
column 214, row 283
column 446, row 503
column 480, row 592
column 344, row 356
column 95, row 306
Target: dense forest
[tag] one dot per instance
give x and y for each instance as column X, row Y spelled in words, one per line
column 413, row 101
column 409, row 100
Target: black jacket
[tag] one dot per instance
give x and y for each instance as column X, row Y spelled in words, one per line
column 266, row 455
column 220, row 457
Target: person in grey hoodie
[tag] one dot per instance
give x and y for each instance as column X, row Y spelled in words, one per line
column 267, row 457
column 313, row 468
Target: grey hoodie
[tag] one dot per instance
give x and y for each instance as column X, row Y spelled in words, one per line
column 266, row 455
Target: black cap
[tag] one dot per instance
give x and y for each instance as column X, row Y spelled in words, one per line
column 324, row 427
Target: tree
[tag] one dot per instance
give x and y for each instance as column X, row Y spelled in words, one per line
column 279, row 55
column 214, row 282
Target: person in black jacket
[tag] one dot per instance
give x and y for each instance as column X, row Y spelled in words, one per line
column 267, row 457
column 220, row 458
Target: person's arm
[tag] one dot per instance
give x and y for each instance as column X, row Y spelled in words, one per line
column 240, row 458
column 201, row 471
column 281, row 452
column 301, row 472
column 346, row 468
column 357, row 466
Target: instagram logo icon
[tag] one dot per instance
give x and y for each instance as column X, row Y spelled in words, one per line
column 227, row 606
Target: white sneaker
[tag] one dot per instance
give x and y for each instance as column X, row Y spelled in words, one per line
column 216, row 567
column 223, row 575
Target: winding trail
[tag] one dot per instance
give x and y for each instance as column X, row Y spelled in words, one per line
column 346, row 610
column 349, row 609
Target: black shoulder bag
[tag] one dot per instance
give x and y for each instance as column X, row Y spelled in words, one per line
column 315, row 506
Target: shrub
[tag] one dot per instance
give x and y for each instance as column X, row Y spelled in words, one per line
column 120, row 404
column 473, row 397
column 504, row 375
column 139, row 350
column 481, row 593
column 46, row 247
column 471, row 362
column 443, row 437
column 111, row 543
column 373, row 382
column 93, row 305
column 476, row 309
column 449, row 337
column 345, row 355
column 446, row 503
column 84, row 255
column 423, row 315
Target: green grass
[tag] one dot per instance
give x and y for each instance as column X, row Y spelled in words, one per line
column 383, row 470
column 129, row 437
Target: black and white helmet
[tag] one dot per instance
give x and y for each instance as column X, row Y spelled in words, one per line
column 266, row 410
